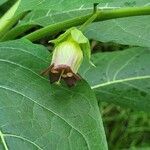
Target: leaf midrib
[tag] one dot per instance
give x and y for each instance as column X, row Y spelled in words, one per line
column 23, row 138
column 120, row 81
column 3, row 140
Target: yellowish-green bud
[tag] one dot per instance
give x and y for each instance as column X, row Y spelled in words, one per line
column 70, row 49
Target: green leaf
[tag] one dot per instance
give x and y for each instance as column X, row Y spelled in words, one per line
column 37, row 115
column 128, row 31
column 121, row 77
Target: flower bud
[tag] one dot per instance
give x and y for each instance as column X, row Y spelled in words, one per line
column 68, row 53
column 66, row 60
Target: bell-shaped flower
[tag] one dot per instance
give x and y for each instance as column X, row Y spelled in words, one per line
column 69, row 51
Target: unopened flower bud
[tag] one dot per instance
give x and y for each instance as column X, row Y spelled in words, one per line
column 69, row 54
column 67, row 57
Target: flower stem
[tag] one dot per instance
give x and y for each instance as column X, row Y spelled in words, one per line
column 91, row 19
column 102, row 15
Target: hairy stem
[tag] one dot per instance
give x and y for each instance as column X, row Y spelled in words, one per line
column 101, row 16
column 91, row 19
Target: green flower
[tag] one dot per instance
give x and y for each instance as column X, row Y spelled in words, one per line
column 69, row 51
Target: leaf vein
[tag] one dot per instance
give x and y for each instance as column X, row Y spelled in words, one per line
column 120, row 81
column 125, row 64
column 3, row 140
column 23, row 138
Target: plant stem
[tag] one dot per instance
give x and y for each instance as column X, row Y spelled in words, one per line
column 89, row 21
column 101, row 16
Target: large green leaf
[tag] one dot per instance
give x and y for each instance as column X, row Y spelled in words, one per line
column 121, row 77
column 36, row 115
column 64, row 5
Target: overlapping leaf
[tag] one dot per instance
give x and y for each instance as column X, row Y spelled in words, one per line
column 128, row 31
column 121, row 77
column 36, row 115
